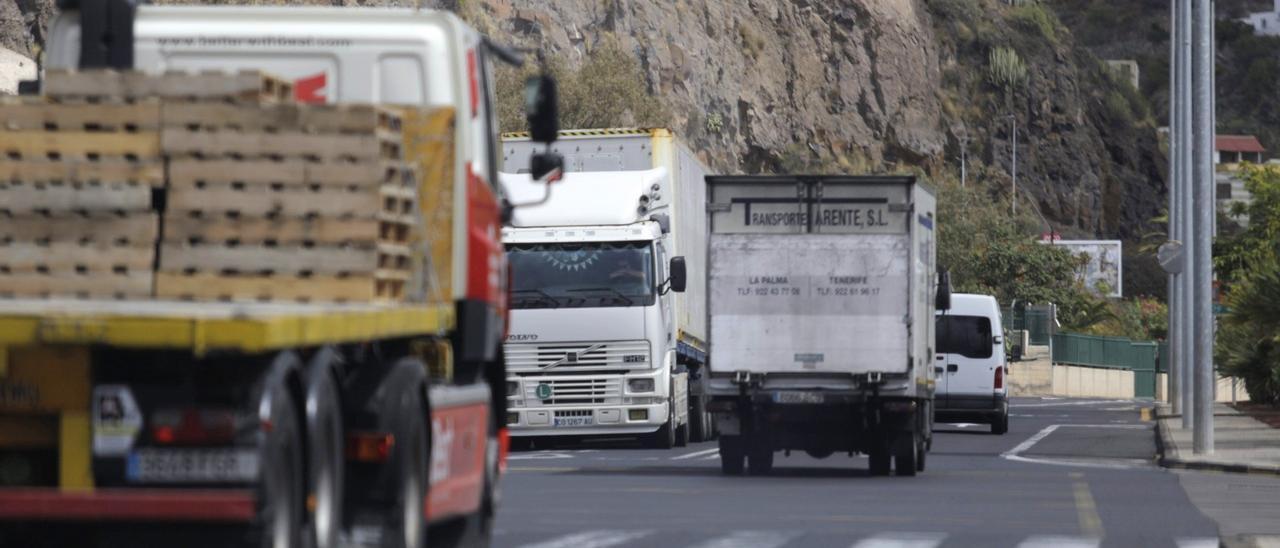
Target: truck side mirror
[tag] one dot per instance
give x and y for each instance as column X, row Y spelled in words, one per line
column 541, row 108
column 542, row 164
column 678, row 275
column 943, row 300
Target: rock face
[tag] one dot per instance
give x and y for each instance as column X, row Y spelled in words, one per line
column 848, row 85
column 747, row 80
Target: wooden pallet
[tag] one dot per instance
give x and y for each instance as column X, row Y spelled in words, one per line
column 277, row 232
column 75, row 258
column 374, row 287
column 217, row 258
column 135, row 229
column 36, row 114
column 281, row 145
column 128, row 86
column 150, row 173
column 191, row 172
column 127, row 286
column 53, row 198
column 79, row 145
column 342, row 119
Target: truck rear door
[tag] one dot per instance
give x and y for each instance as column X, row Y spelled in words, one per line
column 809, row 276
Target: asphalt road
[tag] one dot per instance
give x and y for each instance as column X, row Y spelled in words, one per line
column 1069, row 473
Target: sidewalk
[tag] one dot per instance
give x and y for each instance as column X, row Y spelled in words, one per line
column 1245, row 501
column 1242, row 444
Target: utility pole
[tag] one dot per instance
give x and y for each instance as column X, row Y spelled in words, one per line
column 1174, row 224
column 1203, row 134
column 1187, row 232
column 1013, row 196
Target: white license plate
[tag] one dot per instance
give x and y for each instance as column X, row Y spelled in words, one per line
column 573, row 421
column 797, row 397
column 192, row 465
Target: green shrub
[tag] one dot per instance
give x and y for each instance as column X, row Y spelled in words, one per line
column 1032, row 17
column 608, row 90
column 1006, row 70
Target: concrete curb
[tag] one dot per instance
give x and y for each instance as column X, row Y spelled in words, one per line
column 1169, row 458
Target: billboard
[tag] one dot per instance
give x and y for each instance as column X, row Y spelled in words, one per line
column 1104, row 266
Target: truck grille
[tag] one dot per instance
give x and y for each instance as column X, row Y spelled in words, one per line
column 581, row 391
column 577, row 357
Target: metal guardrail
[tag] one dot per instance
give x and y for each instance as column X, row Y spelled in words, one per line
column 1143, row 358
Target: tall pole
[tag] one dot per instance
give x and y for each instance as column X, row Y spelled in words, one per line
column 1013, row 196
column 1202, row 89
column 1174, row 337
column 1187, row 233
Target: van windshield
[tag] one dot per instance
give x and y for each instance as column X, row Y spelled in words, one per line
column 968, row 336
column 581, row 274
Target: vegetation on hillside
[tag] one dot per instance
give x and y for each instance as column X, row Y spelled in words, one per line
column 1248, row 262
column 607, row 90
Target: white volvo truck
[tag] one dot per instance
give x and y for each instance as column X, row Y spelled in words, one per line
column 606, row 338
column 822, row 296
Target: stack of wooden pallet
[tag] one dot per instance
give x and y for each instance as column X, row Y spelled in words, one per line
column 261, row 198
column 76, row 187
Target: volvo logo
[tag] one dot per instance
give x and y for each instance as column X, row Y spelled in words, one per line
column 522, row 337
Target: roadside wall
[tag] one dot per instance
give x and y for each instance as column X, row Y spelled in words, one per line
column 1224, row 389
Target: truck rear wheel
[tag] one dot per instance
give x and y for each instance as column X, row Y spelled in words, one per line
column 324, row 450
column 878, row 461
column 904, row 464
column 407, row 519
column 731, row 455
column 282, row 483
column 759, row 456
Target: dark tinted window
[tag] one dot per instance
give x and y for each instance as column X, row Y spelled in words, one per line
column 968, row 336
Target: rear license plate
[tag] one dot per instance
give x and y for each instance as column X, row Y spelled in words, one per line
column 192, row 465
column 573, row 421
column 797, row 397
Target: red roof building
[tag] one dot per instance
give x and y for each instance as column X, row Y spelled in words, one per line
column 1233, row 149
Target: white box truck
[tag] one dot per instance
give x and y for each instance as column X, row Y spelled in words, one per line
column 822, row 292
column 605, row 337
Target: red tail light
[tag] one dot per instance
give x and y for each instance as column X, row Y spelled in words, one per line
column 370, row 446
column 1000, row 377
column 504, row 447
column 473, row 81
column 193, row 426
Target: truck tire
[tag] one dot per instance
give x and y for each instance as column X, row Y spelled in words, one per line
column 665, row 437
column 682, row 435
column 759, row 456
column 281, row 490
column 325, row 461
column 904, row 464
column 878, row 461
column 920, row 453
column 698, row 424
column 410, row 459
column 731, row 455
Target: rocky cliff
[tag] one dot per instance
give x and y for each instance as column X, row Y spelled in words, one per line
column 856, row 85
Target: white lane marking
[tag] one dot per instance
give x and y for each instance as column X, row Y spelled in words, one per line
column 1066, row 403
column 1196, row 542
column 591, row 539
column 1045, row 541
column 540, row 455
column 902, row 540
column 712, row 456
column 1015, row 454
column 749, row 539
column 961, row 424
column 696, row 454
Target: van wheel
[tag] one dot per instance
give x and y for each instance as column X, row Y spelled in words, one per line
column 731, row 455
column 1000, row 424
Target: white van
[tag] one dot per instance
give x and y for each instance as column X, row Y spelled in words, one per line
column 971, row 363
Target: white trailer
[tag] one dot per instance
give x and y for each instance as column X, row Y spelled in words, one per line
column 577, row 330
column 822, row 296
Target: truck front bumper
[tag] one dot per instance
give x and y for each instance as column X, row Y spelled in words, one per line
column 600, row 420
column 185, row 505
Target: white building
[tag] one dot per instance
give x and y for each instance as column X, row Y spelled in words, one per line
column 1266, row 23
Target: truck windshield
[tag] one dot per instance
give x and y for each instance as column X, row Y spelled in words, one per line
column 968, row 336
column 581, row 274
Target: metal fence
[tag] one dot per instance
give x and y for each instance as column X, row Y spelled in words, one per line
column 1141, row 357
column 1036, row 320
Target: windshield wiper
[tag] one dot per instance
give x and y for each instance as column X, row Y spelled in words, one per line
column 609, row 289
column 548, row 298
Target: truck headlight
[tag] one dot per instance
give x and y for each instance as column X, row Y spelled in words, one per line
column 640, row 385
column 513, row 388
